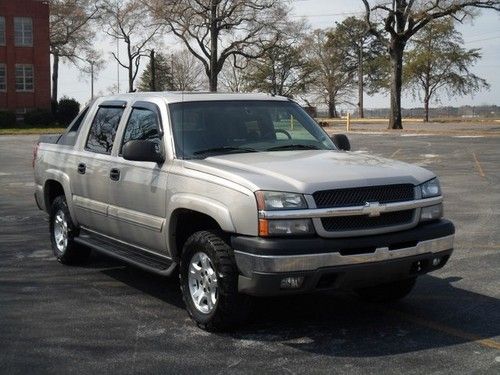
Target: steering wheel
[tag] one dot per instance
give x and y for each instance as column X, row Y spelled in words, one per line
column 284, row 132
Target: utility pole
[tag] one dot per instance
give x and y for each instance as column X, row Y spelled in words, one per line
column 153, row 71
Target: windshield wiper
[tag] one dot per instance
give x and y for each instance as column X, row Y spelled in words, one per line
column 224, row 150
column 293, row 147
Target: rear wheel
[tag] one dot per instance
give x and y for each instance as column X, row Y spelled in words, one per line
column 388, row 292
column 209, row 283
column 62, row 234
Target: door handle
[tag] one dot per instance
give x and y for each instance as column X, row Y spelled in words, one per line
column 82, row 168
column 114, row 174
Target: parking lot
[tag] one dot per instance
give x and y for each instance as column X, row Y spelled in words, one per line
column 105, row 317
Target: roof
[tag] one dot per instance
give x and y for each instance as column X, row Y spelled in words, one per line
column 191, row 96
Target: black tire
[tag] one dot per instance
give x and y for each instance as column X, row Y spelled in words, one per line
column 231, row 308
column 389, row 292
column 72, row 253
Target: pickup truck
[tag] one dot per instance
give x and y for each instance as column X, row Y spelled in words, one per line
column 241, row 195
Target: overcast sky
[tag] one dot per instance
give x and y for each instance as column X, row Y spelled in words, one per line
column 483, row 33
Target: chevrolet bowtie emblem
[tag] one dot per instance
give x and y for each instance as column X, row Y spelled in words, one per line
column 373, row 209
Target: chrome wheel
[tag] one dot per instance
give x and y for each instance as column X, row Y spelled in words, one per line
column 202, row 281
column 61, row 231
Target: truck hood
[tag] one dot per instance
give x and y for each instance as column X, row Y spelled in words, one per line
column 309, row 171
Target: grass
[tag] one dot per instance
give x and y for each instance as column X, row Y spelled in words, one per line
column 26, row 131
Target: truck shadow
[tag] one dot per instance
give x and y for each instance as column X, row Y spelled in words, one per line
column 436, row 314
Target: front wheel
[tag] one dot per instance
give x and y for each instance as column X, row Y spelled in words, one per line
column 209, row 283
column 388, row 292
column 62, row 234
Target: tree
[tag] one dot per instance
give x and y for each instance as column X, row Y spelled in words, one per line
column 187, row 72
column 71, row 33
column 232, row 76
column 366, row 54
column 214, row 30
column 163, row 75
column 438, row 62
column 398, row 22
column 283, row 69
column 127, row 22
column 333, row 77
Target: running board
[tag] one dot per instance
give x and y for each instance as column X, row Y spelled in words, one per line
column 147, row 261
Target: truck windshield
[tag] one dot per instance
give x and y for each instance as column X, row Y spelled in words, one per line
column 203, row 129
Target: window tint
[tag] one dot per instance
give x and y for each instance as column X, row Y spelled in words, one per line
column 142, row 125
column 103, row 130
column 23, row 31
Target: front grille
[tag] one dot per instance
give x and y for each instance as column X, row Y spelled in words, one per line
column 359, row 196
column 363, row 222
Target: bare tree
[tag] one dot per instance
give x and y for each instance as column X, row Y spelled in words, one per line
column 283, row 69
column 232, row 76
column 214, row 30
column 71, row 33
column 127, row 21
column 334, row 76
column 187, row 72
column 395, row 22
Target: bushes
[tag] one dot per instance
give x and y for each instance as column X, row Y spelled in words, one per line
column 7, row 119
column 39, row 118
column 67, row 110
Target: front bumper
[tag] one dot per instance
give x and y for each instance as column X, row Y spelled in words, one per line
column 340, row 263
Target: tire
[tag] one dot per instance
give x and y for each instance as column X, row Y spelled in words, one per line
column 205, row 255
column 62, row 234
column 389, row 292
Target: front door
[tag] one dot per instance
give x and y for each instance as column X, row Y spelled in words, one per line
column 138, row 194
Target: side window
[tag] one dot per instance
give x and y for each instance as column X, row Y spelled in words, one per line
column 103, row 130
column 142, row 125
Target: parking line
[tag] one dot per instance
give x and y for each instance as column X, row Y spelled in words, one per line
column 395, row 153
column 489, row 343
column 478, row 165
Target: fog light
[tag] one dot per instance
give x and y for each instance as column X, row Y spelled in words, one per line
column 431, row 212
column 436, row 262
column 292, row 282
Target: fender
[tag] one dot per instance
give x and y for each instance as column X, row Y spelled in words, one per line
column 216, row 210
column 63, row 179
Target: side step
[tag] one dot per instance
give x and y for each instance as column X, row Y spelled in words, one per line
column 147, row 261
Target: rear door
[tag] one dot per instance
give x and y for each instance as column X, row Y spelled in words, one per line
column 138, row 194
column 91, row 179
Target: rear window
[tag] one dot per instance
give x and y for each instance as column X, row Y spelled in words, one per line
column 103, row 130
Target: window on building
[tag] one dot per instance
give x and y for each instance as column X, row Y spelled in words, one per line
column 3, row 77
column 24, row 77
column 2, row 31
column 103, row 130
column 23, row 31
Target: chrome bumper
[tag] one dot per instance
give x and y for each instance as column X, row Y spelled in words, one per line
column 251, row 263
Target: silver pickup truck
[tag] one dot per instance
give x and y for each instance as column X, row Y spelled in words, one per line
column 241, row 195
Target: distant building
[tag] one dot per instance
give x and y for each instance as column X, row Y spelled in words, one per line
column 24, row 55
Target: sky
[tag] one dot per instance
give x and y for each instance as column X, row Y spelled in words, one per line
column 483, row 32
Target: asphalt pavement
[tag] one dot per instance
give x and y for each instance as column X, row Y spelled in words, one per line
column 106, row 317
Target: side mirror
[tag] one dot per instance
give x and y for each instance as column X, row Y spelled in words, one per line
column 341, row 141
column 141, row 150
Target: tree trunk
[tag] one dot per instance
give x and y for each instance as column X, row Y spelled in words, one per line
column 361, row 110
column 426, row 108
column 55, row 79
column 214, row 71
column 332, row 110
column 396, row 54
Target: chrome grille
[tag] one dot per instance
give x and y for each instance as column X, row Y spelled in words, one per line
column 363, row 222
column 359, row 196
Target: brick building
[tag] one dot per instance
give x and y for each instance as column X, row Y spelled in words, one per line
column 24, row 55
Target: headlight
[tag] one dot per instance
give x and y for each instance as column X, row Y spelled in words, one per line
column 294, row 227
column 431, row 188
column 274, row 200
